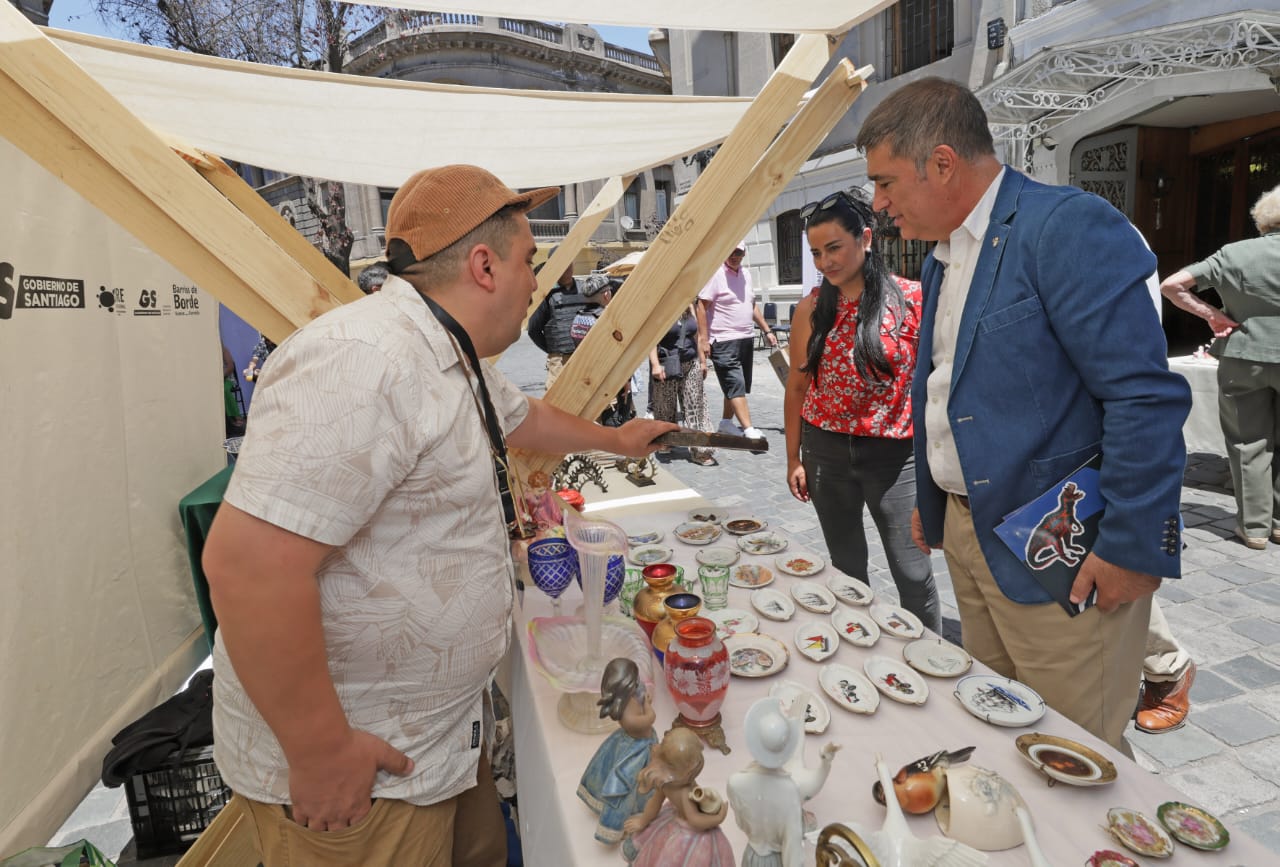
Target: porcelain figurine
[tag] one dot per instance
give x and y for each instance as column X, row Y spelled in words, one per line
column 1034, row 853
column 767, row 801
column 919, row 785
column 680, row 823
column 808, row 780
column 543, row 505
column 608, row 785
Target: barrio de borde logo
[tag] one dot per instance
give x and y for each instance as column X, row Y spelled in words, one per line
column 32, row 292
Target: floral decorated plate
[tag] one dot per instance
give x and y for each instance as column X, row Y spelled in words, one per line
column 1192, row 826
column 1110, row 858
column 647, row 555
column 1066, row 761
column 731, row 621
column 644, row 537
column 697, row 533
column 1138, row 834
column 744, row 525
column 855, row 627
column 896, row 620
column 750, row 575
column 707, row 515
column 897, row 680
column 762, row 543
column 802, row 564
column 772, row 604
column 1000, row 700
column 817, row 716
column 752, row 654
column 937, row 657
column 814, row 597
column 817, row 640
column 850, row 591
column 717, row 555
column 849, row 688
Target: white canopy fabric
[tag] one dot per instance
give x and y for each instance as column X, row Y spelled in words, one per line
column 375, row 131
column 768, row 16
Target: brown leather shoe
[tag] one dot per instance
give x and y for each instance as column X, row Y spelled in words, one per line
column 1164, row 706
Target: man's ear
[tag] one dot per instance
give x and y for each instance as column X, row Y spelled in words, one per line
column 480, row 260
column 943, row 162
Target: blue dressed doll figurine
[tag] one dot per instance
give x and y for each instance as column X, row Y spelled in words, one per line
column 609, row 785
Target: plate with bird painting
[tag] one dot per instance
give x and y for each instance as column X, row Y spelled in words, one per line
column 814, row 597
column 855, row 627
column 897, row 680
column 1000, row 701
column 849, row 590
column 936, row 657
column 772, row 604
column 849, row 688
column 817, row 640
column 896, row 620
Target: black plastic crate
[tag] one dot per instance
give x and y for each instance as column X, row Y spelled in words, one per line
column 171, row 806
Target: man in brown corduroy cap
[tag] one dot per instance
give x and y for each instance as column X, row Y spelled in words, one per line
column 359, row 566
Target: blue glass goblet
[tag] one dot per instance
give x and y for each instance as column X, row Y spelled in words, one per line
column 615, row 574
column 553, row 565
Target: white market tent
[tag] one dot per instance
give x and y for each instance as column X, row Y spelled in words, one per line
column 109, row 430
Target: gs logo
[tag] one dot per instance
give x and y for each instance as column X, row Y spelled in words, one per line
column 147, row 299
column 8, row 295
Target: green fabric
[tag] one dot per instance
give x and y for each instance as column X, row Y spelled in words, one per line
column 1247, row 277
column 230, row 406
column 197, row 510
column 73, row 855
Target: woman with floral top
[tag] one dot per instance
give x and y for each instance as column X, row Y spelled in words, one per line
column 848, row 401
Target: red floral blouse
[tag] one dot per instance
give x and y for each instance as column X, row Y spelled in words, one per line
column 840, row 400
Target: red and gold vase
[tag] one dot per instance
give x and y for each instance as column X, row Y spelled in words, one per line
column 696, row 664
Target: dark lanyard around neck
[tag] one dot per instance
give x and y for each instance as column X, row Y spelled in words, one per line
column 497, row 443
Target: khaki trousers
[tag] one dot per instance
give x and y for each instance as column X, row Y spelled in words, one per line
column 1086, row 667
column 464, row 830
column 1165, row 659
column 1249, row 409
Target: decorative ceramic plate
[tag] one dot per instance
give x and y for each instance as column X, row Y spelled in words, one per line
column 817, row 640
column 647, row 555
column 802, row 564
column 717, row 556
column 814, row 597
column 1139, row 834
column 1192, row 826
column 817, row 716
column 744, row 525
column 709, row 515
column 750, row 575
column 697, row 533
column 896, row 679
column 772, row 604
column 850, row 591
column 896, row 620
column 753, row 654
column 1066, row 761
column 849, row 688
column 937, row 657
column 731, row 621
column 762, row 543
column 999, row 700
column 644, row 537
column 855, row 627
column 1110, row 858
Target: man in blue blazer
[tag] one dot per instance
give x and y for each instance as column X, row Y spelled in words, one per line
column 1039, row 348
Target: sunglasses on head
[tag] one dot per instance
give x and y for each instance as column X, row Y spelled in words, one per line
column 840, row 197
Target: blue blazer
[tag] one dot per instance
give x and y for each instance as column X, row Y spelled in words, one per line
column 1060, row 355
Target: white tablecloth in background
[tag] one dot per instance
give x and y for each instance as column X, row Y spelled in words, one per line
column 1203, row 430
column 556, row 828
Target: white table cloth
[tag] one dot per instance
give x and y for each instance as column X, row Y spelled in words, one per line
column 1203, row 430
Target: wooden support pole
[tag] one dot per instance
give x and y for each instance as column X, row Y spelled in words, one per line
column 67, row 122
column 664, row 284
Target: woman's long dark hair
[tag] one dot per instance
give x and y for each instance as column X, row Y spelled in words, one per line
column 880, row 293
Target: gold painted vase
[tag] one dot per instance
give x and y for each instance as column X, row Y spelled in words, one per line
column 679, row 606
column 660, row 578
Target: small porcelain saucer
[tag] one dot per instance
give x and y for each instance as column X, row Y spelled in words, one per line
column 850, row 591
column 896, row 620
column 1138, row 834
column 751, row 576
column 848, row 688
column 731, row 621
column 717, row 556
column 897, row 680
column 767, row 542
column 644, row 537
column 813, row 597
column 1193, row 826
column 936, row 657
column 709, row 515
column 802, row 564
column 817, row 640
column 1110, row 858
column 744, row 525
column 1000, row 700
column 855, row 627
column 753, row 654
column 772, row 604
column 697, row 533
column 1065, row 760
column 647, row 555
column 817, row 716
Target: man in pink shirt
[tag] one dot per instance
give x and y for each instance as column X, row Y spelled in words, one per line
column 726, row 311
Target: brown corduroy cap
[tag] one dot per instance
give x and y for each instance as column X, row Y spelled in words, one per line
column 436, row 207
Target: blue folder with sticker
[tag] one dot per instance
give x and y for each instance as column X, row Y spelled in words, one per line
column 1053, row 533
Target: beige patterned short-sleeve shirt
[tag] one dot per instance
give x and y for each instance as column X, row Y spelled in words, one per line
column 364, row 435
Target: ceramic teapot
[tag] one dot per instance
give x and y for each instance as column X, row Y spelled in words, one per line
column 978, row 808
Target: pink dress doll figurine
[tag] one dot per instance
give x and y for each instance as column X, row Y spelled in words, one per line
column 542, row 505
column 608, row 785
column 681, row 821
